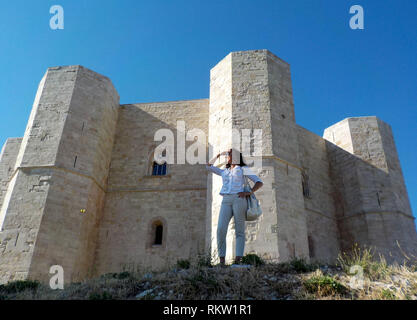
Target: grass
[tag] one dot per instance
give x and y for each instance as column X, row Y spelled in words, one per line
column 183, row 264
column 252, row 259
column 202, row 281
column 387, row 294
column 204, row 260
column 301, row 265
column 19, row 286
column 120, row 275
column 374, row 268
column 322, row 285
column 198, row 279
column 100, row 296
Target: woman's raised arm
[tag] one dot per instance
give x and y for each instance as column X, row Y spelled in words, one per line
column 212, row 168
column 212, row 161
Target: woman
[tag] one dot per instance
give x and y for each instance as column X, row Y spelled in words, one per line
column 234, row 201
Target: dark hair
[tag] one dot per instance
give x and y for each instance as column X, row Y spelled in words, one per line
column 241, row 162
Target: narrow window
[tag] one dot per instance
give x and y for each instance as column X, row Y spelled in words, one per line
column 158, row 234
column 311, row 246
column 306, row 185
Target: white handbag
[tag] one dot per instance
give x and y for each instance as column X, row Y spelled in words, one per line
column 254, row 209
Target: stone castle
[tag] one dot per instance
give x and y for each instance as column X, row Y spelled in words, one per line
column 79, row 189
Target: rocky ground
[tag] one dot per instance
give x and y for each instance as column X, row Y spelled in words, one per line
column 254, row 281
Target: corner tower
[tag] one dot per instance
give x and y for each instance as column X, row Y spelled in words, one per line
column 252, row 90
column 372, row 204
column 51, row 208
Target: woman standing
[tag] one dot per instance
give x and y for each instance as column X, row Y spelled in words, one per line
column 234, row 201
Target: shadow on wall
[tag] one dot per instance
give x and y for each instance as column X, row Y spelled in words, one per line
column 368, row 209
column 135, row 197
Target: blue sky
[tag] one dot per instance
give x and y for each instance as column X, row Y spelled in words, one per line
column 164, row 50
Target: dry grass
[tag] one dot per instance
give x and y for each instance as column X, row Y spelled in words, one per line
column 199, row 279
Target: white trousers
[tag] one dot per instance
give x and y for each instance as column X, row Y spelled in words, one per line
column 232, row 205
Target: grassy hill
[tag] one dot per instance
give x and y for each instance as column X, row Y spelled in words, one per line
column 254, row 279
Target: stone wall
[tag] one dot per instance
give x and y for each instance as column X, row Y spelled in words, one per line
column 252, row 90
column 372, row 205
column 62, row 169
column 323, row 234
column 8, row 157
column 135, row 199
column 78, row 191
column 220, row 139
column 292, row 218
column 26, row 194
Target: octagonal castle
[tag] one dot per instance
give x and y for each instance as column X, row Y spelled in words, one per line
column 78, row 191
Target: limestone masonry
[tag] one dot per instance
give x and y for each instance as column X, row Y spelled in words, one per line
column 82, row 150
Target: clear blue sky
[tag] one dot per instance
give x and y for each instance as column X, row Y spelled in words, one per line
column 164, row 50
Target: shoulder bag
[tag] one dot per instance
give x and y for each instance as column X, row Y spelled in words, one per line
column 254, row 209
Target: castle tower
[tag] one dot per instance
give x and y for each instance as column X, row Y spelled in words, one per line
column 252, row 90
column 372, row 204
column 50, row 210
column 8, row 157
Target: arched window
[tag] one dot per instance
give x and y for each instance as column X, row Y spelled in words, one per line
column 157, row 233
column 159, row 169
